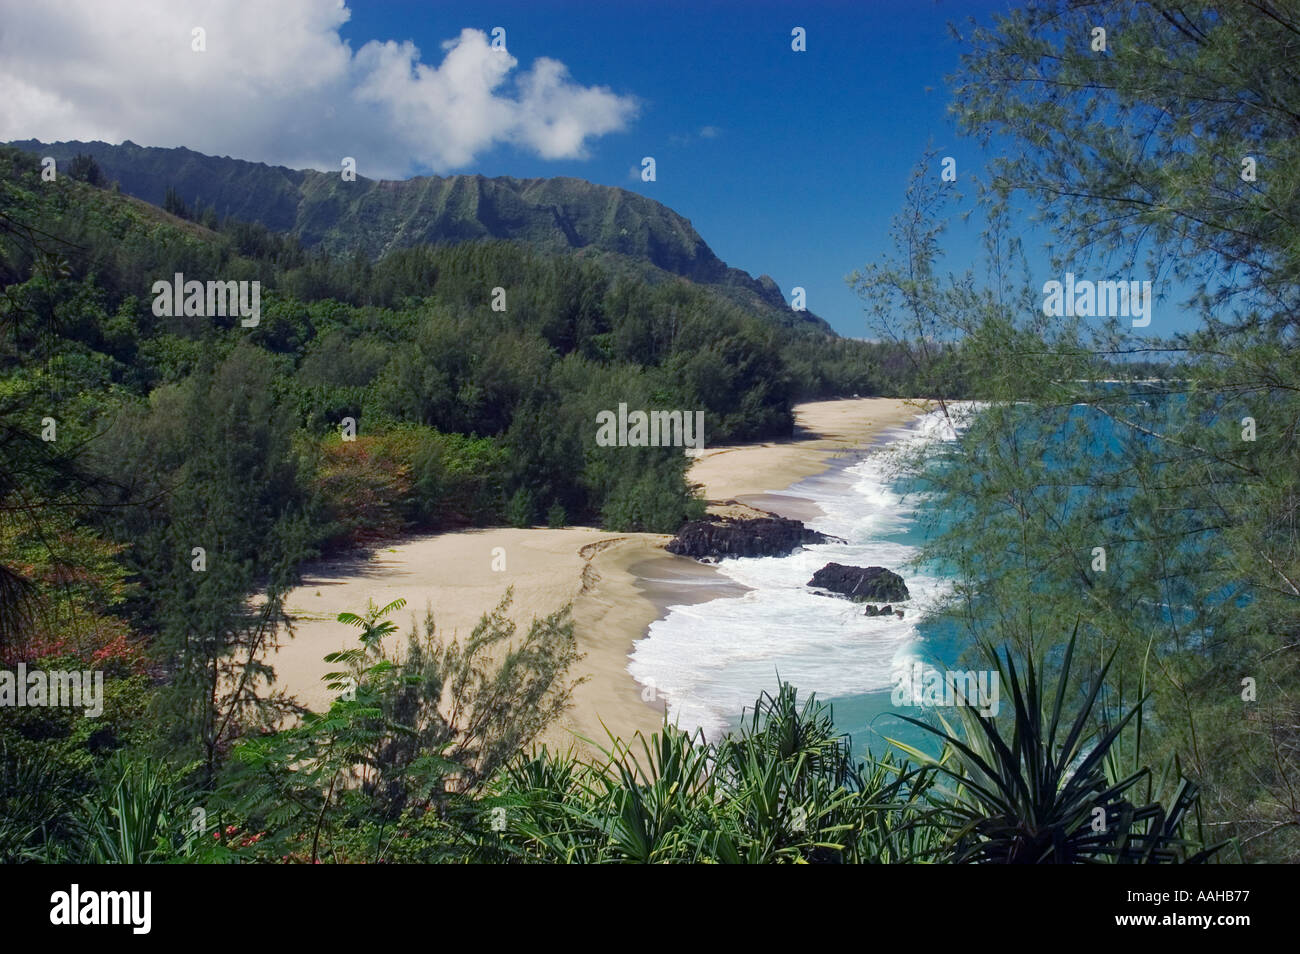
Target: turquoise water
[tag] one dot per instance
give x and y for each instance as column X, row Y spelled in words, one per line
column 872, row 719
column 711, row 660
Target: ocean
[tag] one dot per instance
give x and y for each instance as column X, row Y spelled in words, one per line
column 711, row 660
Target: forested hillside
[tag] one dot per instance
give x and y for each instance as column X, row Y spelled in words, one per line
column 1119, row 520
column 627, row 232
column 141, row 447
column 181, row 428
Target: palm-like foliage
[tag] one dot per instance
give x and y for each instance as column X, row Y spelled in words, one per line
column 647, row 801
column 1045, row 795
column 797, row 794
column 783, row 788
column 653, row 807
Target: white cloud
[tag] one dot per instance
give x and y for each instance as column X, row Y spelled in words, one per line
column 277, row 84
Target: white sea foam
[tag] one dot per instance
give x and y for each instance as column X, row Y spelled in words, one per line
column 711, row 660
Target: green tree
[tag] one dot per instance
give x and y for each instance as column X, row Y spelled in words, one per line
column 86, row 169
column 1136, row 158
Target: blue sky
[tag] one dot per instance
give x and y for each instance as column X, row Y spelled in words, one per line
column 787, row 163
column 803, row 158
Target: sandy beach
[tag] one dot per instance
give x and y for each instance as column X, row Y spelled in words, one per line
column 824, row 430
column 617, row 583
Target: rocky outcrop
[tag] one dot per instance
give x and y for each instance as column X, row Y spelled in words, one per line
column 886, row 610
column 861, row 583
column 713, row 539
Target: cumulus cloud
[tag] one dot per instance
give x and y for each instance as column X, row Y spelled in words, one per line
column 278, row 84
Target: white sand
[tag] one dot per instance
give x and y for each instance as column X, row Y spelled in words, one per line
column 600, row 573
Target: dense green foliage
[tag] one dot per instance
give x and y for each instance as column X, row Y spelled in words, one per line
column 490, row 403
column 626, row 233
column 176, row 433
column 139, row 446
column 387, row 776
column 1188, row 483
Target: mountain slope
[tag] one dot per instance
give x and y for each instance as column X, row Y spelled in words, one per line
column 627, row 230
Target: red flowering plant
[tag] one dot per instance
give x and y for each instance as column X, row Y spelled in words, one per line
column 71, row 581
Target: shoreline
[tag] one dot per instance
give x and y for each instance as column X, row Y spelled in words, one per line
column 631, row 584
column 618, row 583
column 827, row 434
column 757, row 475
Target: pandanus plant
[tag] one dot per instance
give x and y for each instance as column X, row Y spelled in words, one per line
column 647, row 801
column 781, row 788
column 796, row 793
column 1051, row 792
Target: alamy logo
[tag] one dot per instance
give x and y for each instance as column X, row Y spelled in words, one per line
column 102, row 907
column 1089, row 299
column 36, row 687
column 194, row 299
column 650, row 429
column 919, row 686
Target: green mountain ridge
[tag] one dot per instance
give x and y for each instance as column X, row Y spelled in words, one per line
column 623, row 229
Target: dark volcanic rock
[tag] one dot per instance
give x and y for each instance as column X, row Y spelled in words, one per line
column 861, row 584
column 721, row 537
column 873, row 610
